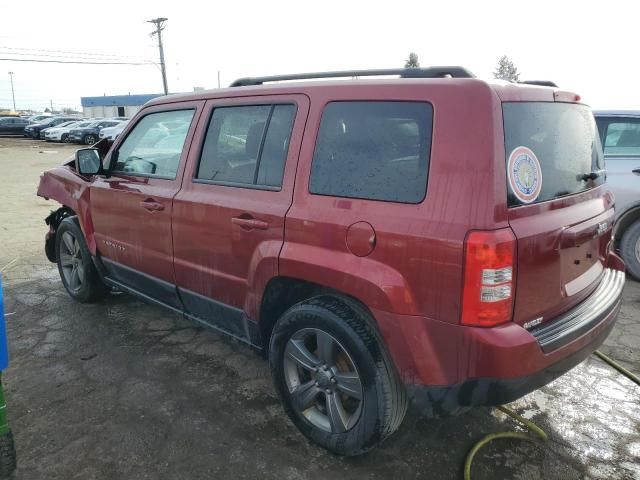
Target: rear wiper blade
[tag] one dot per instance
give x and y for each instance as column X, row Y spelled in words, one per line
column 590, row 176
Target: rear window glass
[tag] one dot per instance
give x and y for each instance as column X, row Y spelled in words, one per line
column 551, row 148
column 373, row 150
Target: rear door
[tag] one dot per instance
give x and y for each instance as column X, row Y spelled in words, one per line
column 228, row 221
column 558, row 207
column 131, row 209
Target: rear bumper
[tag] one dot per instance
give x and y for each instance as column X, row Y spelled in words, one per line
column 446, row 366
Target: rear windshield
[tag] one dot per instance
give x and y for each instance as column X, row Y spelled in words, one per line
column 552, row 150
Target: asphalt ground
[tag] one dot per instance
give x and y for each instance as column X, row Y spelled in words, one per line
column 125, row 390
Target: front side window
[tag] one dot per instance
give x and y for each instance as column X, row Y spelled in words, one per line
column 622, row 139
column 373, row 150
column 154, row 146
column 247, row 145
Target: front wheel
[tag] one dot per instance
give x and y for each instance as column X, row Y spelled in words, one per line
column 64, row 138
column 630, row 249
column 77, row 272
column 89, row 139
column 334, row 377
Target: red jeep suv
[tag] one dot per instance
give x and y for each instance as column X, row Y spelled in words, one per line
column 431, row 239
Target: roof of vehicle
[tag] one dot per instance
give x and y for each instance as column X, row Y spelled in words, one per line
column 616, row 113
column 505, row 90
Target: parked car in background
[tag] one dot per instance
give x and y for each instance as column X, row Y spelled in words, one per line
column 111, row 133
column 61, row 132
column 34, row 129
column 90, row 134
column 44, row 131
column 620, row 134
column 12, row 125
column 38, row 118
column 374, row 242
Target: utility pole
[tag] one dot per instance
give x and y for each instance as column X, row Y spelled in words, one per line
column 51, row 102
column 12, row 92
column 159, row 23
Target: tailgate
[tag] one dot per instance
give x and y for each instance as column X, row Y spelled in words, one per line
column 559, row 211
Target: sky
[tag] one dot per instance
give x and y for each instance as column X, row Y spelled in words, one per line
column 586, row 47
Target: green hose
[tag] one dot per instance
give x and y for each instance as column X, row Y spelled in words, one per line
column 519, row 435
column 532, row 427
column 617, row 366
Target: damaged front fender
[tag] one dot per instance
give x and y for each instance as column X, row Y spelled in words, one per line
column 64, row 185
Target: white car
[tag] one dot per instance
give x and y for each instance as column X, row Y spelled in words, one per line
column 111, row 133
column 60, row 133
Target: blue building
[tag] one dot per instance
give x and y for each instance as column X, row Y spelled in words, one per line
column 114, row 105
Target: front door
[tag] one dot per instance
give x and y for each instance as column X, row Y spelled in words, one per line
column 228, row 220
column 131, row 208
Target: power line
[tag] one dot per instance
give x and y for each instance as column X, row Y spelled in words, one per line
column 74, row 57
column 75, row 62
column 67, row 51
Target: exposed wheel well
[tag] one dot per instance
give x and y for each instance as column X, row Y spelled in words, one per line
column 53, row 221
column 624, row 222
column 281, row 294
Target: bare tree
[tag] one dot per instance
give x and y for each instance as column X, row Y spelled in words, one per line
column 506, row 70
column 413, row 61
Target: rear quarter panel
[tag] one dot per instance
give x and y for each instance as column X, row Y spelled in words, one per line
column 416, row 266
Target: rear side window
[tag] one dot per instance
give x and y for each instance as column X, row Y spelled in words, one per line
column 622, row 138
column 551, row 148
column 247, row 145
column 373, row 150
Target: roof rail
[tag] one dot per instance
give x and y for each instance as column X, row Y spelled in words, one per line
column 540, row 83
column 431, row 72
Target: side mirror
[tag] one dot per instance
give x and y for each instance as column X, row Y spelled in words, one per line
column 88, row 161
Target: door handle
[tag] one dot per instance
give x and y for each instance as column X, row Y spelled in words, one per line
column 636, row 171
column 250, row 223
column 152, row 206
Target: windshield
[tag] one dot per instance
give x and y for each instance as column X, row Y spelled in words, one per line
column 551, row 149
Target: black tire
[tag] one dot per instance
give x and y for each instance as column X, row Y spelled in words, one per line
column 630, row 249
column 63, row 138
column 72, row 256
column 383, row 401
column 89, row 139
column 7, row 455
column 35, row 135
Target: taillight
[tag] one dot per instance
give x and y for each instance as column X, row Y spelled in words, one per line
column 487, row 298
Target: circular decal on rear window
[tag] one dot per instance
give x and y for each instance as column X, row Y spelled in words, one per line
column 525, row 174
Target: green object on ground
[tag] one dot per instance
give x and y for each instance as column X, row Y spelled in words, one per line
column 532, row 427
column 617, row 366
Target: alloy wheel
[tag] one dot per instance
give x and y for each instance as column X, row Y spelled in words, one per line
column 323, row 381
column 71, row 261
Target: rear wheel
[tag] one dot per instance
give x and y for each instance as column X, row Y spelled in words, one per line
column 63, row 138
column 630, row 249
column 89, row 139
column 77, row 272
column 334, row 378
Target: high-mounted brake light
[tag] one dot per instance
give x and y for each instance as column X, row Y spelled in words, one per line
column 487, row 298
